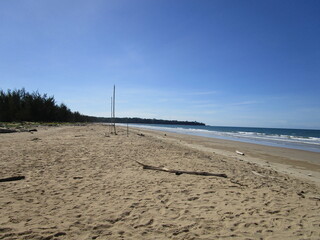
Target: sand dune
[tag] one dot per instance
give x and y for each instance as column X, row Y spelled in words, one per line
column 83, row 184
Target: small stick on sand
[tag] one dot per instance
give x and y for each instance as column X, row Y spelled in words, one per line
column 179, row 172
column 240, row 153
column 258, row 174
column 10, row 179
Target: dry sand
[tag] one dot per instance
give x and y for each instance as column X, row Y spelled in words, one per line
column 82, row 184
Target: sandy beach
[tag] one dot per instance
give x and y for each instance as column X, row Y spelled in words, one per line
column 83, row 183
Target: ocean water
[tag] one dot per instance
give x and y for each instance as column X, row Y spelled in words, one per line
column 303, row 139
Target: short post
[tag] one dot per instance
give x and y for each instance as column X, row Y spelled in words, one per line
column 127, row 129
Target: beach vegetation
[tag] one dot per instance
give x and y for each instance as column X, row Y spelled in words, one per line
column 20, row 105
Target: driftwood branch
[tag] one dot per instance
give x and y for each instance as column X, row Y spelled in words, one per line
column 10, row 179
column 179, row 172
column 4, row 130
column 240, row 153
column 238, row 183
column 258, row 174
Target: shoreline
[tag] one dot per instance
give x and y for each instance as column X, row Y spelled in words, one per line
column 310, row 147
column 299, row 163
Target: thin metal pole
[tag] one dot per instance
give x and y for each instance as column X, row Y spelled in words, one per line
column 114, row 101
column 111, row 107
column 114, row 107
column 110, row 124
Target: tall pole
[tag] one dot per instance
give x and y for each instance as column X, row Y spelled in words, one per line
column 114, row 107
column 111, row 117
column 111, row 108
column 114, row 100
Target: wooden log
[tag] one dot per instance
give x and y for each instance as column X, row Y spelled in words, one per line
column 5, row 130
column 10, row 179
column 179, row 172
column 240, row 153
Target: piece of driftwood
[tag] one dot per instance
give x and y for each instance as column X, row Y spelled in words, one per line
column 179, row 172
column 5, row 130
column 238, row 183
column 258, row 174
column 240, row 153
column 77, row 177
column 11, row 179
column 315, row 198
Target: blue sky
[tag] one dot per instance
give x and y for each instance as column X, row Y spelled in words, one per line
column 229, row 62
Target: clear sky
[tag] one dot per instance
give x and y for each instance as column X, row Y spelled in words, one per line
column 222, row 62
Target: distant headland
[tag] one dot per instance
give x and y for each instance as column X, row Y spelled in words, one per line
column 144, row 121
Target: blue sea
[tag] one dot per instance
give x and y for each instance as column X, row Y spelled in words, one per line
column 303, row 139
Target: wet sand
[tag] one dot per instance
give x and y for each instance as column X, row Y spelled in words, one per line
column 83, row 183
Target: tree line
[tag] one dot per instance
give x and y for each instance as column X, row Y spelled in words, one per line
column 19, row 105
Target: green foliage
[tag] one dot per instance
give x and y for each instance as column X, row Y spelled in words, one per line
column 19, row 105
